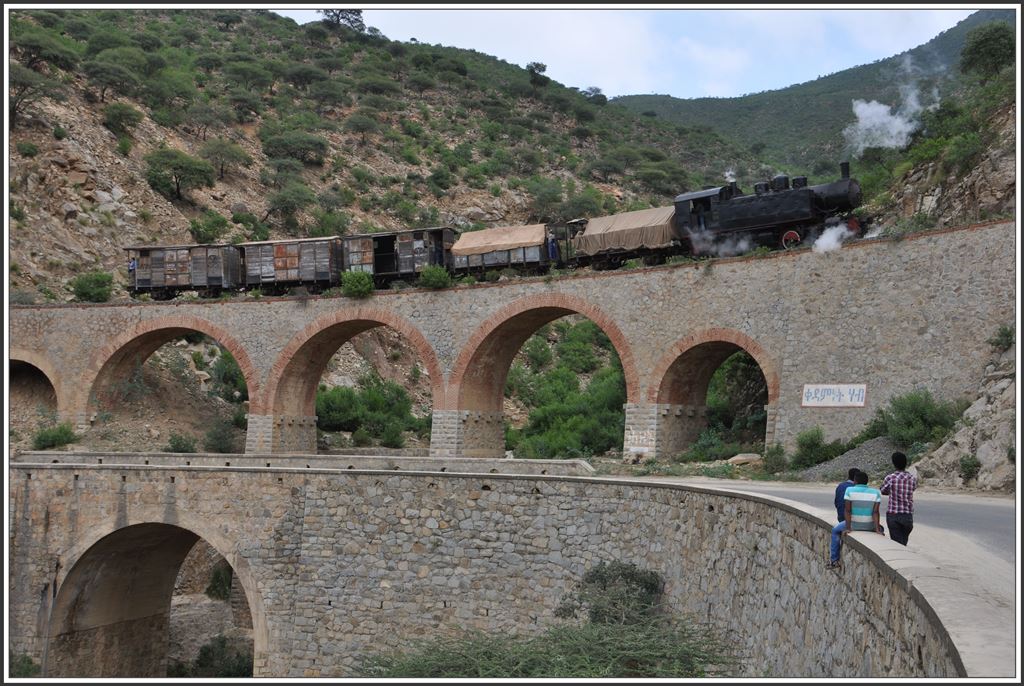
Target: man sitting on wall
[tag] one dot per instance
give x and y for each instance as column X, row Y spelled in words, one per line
column 862, row 504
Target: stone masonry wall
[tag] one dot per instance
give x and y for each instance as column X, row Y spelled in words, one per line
column 895, row 315
column 341, row 563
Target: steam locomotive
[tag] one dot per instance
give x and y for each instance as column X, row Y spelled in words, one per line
column 716, row 220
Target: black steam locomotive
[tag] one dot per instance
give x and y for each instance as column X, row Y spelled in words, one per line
column 719, row 221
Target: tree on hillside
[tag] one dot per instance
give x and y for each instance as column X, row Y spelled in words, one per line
column 25, row 88
column 203, row 115
column 227, row 19
column 361, row 124
column 171, row 171
column 987, row 49
column 109, row 76
column 224, row 154
column 36, row 48
column 350, row 18
column 537, row 78
column 288, row 201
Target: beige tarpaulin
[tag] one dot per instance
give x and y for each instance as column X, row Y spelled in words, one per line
column 627, row 231
column 500, row 238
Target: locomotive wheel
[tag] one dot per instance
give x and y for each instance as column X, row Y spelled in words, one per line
column 790, row 239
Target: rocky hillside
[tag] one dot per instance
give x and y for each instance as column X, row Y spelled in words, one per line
column 361, row 133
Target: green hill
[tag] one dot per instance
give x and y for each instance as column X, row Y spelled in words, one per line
column 799, row 128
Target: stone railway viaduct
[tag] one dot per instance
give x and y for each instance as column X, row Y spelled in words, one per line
column 338, row 558
column 894, row 315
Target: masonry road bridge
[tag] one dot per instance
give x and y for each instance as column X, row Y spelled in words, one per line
column 339, row 560
column 893, row 315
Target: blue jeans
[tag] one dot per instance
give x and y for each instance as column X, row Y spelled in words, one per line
column 837, row 541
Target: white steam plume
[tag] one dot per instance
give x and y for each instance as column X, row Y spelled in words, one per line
column 704, row 243
column 730, row 175
column 878, row 126
column 832, row 238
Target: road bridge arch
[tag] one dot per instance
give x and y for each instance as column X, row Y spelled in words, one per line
column 111, row 606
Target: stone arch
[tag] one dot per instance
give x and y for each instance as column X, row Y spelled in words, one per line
column 116, row 359
column 111, row 603
column 477, row 379
column 679, row 383
column 295, row 374
column 46, row 368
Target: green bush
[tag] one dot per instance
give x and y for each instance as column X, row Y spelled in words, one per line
column 538, row 353
column 124, row 146
column 774, row 459
column 811, row 448
column 219, row 587
column 392, row 437
column 179, row 443
column 914, row 417
column 54, row 436
column 1004, row 338
column 216, row 659
column 435, row 276
column 228, row 379
column 628, row 636
column 356, row 284
column 361, row 439
column 121, row 118
column 94, row 287
column 22, row 666
column 240, row 419
column 208, row 228
column 220, row 438
column 969, row 467
column 27, row 149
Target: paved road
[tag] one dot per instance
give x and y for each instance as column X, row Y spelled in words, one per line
column 990, row 521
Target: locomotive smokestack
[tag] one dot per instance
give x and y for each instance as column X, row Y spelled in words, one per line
column 844, row 169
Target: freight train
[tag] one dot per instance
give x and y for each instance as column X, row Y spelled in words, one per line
column 780, row 213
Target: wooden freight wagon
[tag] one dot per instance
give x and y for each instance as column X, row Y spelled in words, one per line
column 398, row 254
column 505, row 246
column 163, row 270
column 282, row 264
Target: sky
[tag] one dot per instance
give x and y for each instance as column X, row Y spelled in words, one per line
column 687, row 53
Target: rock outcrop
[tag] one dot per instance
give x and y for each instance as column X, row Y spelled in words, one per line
column 986, row 432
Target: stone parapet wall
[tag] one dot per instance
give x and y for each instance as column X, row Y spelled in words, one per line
column 313, row 461
column 337, row 564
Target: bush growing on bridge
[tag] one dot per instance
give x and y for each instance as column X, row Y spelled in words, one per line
column 627, row 634
column 93, row 287
column 435, row 276
column 54, row 436
column 356, row 285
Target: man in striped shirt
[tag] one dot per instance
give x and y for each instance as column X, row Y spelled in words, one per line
column 899, row 486
column 862, row 504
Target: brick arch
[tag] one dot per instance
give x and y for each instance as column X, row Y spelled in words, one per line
column 115, row 360
column 91, row 580
column 477, row 379
column 295, row 374
column 682, row 374
column 47, row 369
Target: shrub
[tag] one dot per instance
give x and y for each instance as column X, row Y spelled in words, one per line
column 220, row 438
column 240, row 419
column 392, row 437
column 969, row 467
column 538, row 353
column 435, row 276
column 914, row 417
column 1004, row 338
column 614, row 593
column 121, row 118
column 338, row 409
column 27, row 149
column 219, row 660
column 208, row 228
column 179, row 443
column 774, row 459
column 356, row 284
column 93, row 287
column 124, row 146
column 361, row 438
column 22, row 666
column 54, row 436
column 228, row 378
column 811, row 448
column 219, row 587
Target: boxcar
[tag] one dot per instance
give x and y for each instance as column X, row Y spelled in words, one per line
column 398, row 254
column 164, row 270
column 278, row 265
column 528, row 246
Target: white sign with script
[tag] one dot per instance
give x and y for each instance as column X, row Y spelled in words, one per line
column 834, row 395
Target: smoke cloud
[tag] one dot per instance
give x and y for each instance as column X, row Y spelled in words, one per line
column 832, row 238
column 878, row 126
column 730, row 175
column 704, row 243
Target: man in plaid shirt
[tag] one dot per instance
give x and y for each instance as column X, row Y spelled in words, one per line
column 899, row 486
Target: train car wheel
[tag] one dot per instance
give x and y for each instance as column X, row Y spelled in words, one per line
column 790, row 239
